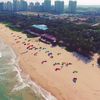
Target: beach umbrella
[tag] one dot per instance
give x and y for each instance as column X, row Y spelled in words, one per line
column 58, row 53
column 43, row 62
column 69, row 63
column 29, row 40
column 49, row 54
column 74, row 79
column 28, row 43
column 35, row 54
column 57, row 69
column 30, row 46
column 17, row 41
column 75, row 71
column 63, row 63
column 56, row 64
column 20, row 37
column 23, row 42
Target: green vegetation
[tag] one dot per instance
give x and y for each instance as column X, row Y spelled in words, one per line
column 8, row 24
column 84, row 38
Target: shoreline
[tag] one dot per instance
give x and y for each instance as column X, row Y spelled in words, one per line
column 25, row 79
column 32, row 80
column 59, row 83
column 22, row 78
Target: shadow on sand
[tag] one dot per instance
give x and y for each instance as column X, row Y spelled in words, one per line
column 82, row 58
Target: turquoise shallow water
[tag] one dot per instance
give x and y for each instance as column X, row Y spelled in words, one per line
column 13, row 84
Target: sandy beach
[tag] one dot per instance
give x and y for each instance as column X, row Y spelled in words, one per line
column 55, row 69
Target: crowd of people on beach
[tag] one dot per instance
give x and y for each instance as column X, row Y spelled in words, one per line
column 30, row 46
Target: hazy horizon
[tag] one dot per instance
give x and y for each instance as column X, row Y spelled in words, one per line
column 79, row 2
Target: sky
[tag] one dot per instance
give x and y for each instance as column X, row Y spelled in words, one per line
column 79, row 2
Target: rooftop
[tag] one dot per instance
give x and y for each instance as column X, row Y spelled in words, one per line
column 41, row 27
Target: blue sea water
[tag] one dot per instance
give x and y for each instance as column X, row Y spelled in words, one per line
column 14, row 85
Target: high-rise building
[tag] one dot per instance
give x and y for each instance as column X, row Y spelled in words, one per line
column 47, row 5
column 9, row 6
column 37, row 7
column 23, row 5
column 72, row 6
column 1, row 6
column 59, row 6
column 31, row 6
column 15, row 5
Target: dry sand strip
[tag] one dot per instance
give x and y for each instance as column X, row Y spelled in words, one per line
column 56, row 70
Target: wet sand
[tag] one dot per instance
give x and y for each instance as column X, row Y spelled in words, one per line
column 55, row 69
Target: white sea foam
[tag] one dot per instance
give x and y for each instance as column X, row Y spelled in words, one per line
column 47, row 95
column 3, row 78
column 0, row 54
column 1, row 44
column 5, row 68
column 4, row 72
column 25, row 81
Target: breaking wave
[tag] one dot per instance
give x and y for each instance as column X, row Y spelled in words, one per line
column 9, row 67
